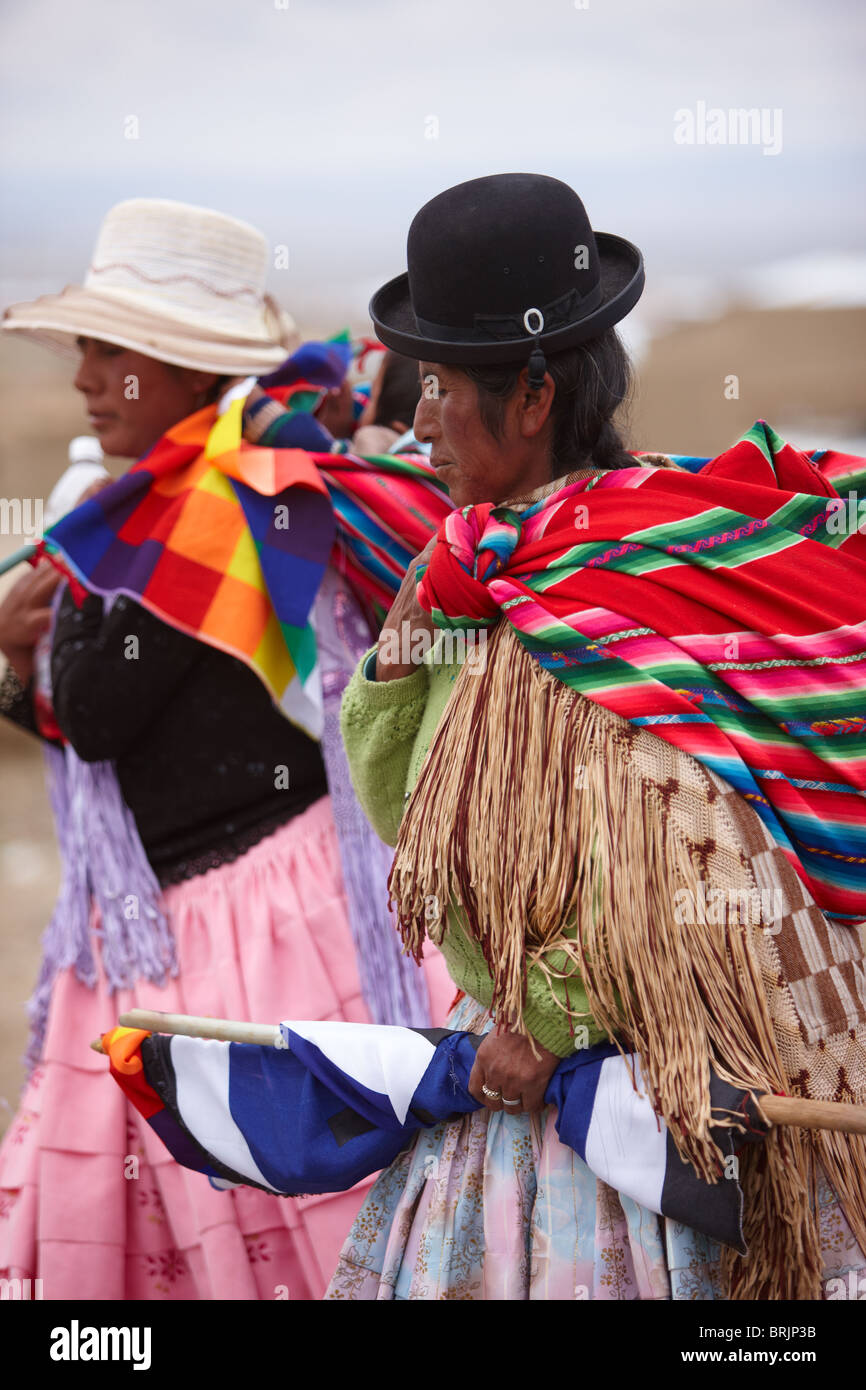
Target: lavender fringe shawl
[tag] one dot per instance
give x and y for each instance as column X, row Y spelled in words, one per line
column 103, row 861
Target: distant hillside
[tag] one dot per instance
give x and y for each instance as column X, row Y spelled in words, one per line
column 802, row 370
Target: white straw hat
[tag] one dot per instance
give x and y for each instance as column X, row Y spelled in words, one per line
column 179, row 283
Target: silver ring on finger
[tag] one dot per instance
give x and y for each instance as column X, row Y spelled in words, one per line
column 511, row 1102
column 491, row 1095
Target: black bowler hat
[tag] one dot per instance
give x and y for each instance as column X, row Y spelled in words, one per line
column 501, row 265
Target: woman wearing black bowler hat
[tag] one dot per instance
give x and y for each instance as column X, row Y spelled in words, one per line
column 532, row 823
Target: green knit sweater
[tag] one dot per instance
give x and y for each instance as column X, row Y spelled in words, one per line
column 387, row 728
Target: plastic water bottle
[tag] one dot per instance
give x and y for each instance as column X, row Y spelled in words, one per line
column 85, row 468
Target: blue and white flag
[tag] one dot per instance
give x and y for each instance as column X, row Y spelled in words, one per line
column 341, row 1100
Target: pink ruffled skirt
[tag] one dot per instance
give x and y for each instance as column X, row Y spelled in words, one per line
column 90, row 1201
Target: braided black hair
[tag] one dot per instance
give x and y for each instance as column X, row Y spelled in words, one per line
column 592, row 381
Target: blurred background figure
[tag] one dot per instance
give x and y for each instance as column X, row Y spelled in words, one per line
column 370, row 417
column 390, row 410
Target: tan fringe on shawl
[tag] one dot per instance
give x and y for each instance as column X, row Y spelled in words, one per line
column 529, row 818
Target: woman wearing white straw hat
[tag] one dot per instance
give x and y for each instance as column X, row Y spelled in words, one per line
column 193, row 877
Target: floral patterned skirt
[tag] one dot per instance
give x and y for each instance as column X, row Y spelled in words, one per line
column 493, row 1206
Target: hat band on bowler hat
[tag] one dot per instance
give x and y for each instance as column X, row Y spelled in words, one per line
column 569, row 309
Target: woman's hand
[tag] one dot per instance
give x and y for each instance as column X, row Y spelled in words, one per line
column 336, row 411
column 405, row 618
column 25, row 613
column 504, row 1063
column 373, row 439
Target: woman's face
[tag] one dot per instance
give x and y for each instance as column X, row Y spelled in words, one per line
column 473, row 465
column 132, row 399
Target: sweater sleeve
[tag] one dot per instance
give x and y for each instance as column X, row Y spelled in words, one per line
column 113, row 673
column 555, row 1011
column 379, row 721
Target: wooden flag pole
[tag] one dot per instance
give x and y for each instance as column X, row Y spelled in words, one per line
column 191, row 1026
column 814, row 1114
column 779, row 1110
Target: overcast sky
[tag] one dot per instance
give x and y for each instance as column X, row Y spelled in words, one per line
column 312, row 119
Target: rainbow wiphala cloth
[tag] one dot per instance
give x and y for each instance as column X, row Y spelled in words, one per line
column 228, row 541
column 723, row 607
